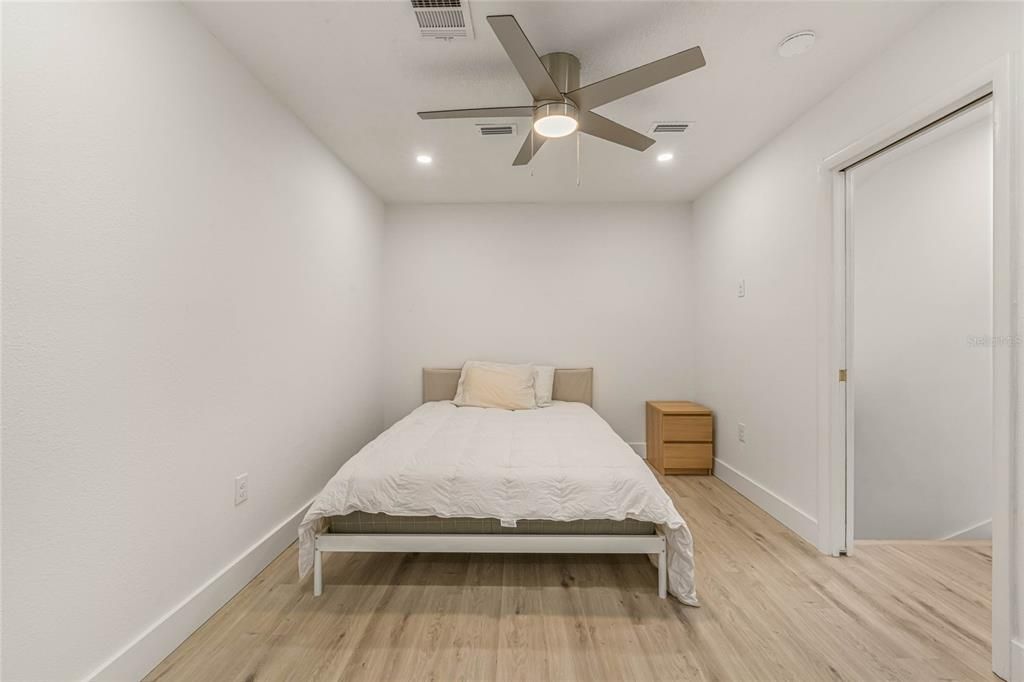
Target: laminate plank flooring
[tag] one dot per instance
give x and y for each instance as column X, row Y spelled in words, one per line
column 773, row 608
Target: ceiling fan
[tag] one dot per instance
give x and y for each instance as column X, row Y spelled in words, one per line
column 560, row 106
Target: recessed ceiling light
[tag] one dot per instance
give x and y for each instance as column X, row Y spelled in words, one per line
column 424, row 160
column 795, row 44
column 666, row 156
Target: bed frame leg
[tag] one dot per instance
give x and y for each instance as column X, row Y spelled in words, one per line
column 662, row 574
column 318, row 573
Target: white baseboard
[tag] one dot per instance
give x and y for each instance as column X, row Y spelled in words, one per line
column 134, row 661
column 639, row 448
column 1016, row 661
column 793, row 518
column 979, row 531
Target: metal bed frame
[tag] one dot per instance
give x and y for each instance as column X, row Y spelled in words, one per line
column 493, row 544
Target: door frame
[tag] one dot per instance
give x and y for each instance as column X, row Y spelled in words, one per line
column 835, row 471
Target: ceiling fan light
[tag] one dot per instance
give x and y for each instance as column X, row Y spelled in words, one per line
column 555, row 126
column 555, row 119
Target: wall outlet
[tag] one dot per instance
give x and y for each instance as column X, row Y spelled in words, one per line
column 241, row 488
column 741, row 290
column 741, row 432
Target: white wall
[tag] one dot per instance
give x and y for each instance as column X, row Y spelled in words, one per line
column 769, row 222
column 190, row 291
column 921, row 322
column 607, row 286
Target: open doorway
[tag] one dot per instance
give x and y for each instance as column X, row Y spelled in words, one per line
column 923, row 220
column 919, row 340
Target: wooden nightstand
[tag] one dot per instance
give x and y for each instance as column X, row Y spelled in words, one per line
column 680, row 437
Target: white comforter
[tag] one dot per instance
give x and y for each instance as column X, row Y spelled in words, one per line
column 561, row 463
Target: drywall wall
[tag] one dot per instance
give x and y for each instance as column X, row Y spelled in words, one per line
column 606, row 286
column 921, row 229
column 768, row 223
column 190, row 292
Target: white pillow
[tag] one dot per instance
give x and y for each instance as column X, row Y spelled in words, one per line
column 543, row 384
column 492, row 384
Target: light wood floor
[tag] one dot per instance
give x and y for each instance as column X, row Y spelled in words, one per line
column 773, row 609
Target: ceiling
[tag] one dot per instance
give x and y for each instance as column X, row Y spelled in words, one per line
column 357, row 72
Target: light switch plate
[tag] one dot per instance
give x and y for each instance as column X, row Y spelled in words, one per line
column 741, row 432
column 741, row 290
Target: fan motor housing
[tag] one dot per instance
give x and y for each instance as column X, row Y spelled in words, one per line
column 564, row 69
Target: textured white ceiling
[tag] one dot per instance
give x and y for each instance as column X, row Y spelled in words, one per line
column 357, row 73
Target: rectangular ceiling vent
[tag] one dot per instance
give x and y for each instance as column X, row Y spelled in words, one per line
column 496, row 129
column 669, row 127
column 443, row 19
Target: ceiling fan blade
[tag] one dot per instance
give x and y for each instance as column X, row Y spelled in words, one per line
column 634, row 80
column 599, row 126
column 529, row 149
column 488, row 112
column 524, row 57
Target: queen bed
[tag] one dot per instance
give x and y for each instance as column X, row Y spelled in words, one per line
column 446, row 478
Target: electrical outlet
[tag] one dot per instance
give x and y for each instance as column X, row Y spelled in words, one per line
column 741, row 290
column 741, row 432
column 241, row 488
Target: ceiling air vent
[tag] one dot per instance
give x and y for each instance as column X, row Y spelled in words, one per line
column 496, row 129
column 443, row 19
column 669, row 127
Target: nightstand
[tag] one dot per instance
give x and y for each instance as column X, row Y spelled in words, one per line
column 680, row 437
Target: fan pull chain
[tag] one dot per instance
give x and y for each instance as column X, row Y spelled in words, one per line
column 578, row 159
column 532, row 151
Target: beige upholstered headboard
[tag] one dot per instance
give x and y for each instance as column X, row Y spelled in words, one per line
column 571, row 385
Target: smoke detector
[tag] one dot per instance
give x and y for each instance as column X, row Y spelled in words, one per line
column 443, row 19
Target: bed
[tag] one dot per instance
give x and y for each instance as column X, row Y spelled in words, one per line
column 555, row 479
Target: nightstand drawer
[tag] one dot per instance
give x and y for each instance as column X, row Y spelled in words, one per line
column 686, row 428
column 687, row 455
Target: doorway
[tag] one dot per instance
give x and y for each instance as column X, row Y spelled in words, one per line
column 990, row 88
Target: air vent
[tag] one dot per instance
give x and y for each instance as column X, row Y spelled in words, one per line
column 443, row 19
column 669, row 127
column 496, row 129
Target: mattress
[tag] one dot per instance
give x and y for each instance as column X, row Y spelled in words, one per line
column 561, row 463
column 365, row 522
